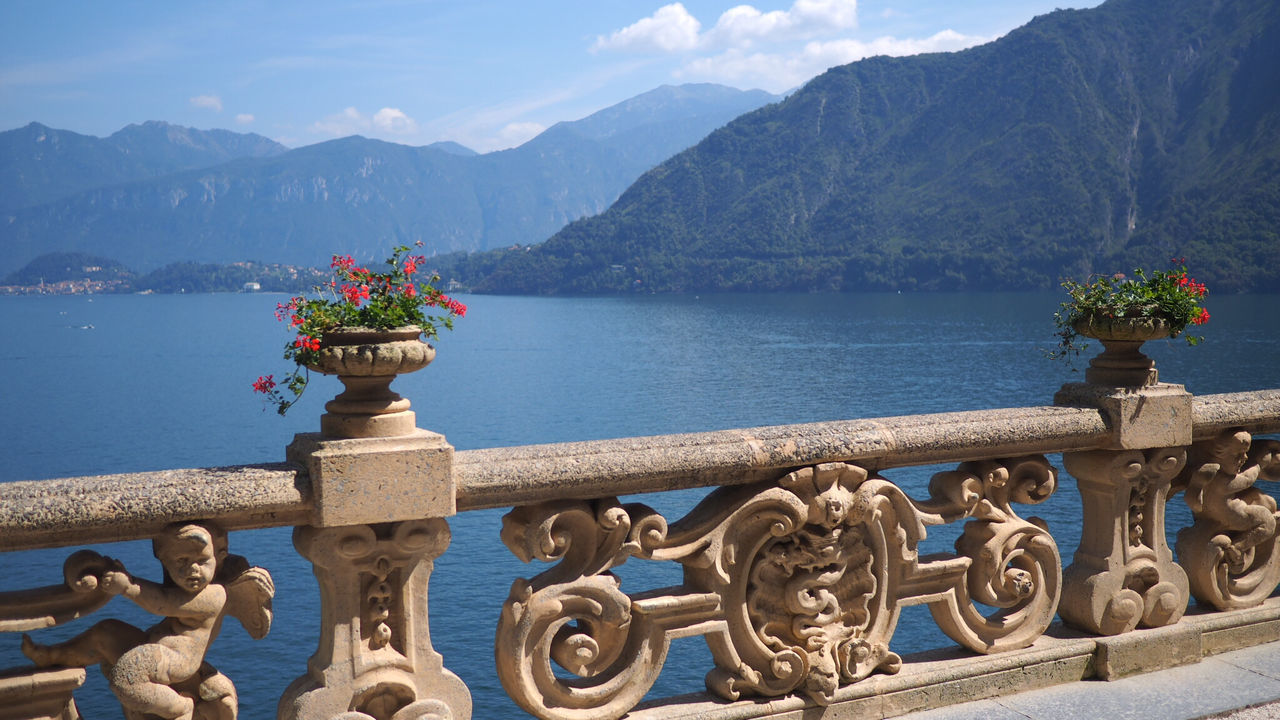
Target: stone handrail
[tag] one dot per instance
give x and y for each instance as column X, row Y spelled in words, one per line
column 109, row 508
column 796, row 491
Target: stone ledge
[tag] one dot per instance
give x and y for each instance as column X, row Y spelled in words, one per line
column 927, row 680
column 31, row 694
column 940, row 678
column 1144, row 651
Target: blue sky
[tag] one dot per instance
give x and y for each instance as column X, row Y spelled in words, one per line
column 486, row 73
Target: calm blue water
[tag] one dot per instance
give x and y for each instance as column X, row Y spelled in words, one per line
column 126, row 383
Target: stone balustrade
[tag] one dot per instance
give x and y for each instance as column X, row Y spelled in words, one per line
column 796, row 563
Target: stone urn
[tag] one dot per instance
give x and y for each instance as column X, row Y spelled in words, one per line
column 366, row 361
column 1122, row 362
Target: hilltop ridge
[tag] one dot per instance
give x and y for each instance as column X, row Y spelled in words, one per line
column 1085, row 141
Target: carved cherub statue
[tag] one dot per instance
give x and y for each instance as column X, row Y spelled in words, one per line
column 1223, row 489
column 161, row 671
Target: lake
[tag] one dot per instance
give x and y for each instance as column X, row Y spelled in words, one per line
column 119, row 383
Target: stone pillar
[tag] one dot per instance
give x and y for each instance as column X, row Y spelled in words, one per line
column 1123, row 575
column 378, row 527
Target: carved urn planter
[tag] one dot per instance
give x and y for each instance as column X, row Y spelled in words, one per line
column 366, row 361
column 1122, row 362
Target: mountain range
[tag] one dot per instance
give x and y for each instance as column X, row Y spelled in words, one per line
column 154, row 193
column 1087, row 141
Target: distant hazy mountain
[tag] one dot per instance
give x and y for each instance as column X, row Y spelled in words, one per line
column 364, row 196
column 1086, row 141
column 39, row 164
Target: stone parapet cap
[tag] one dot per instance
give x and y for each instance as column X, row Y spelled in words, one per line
column 503, row 477
column 110, row 508
column 360, row 481
column 1152, row 416
column 1255, row 411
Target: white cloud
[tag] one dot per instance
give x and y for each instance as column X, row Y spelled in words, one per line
column 209, row 102
column 781, row 71
column 673, row 30
column 244, row 119
column 392, row 120
column 741, row 26
column 670, row 29
column 518, row 133
column 347, row 122
column 387, row 121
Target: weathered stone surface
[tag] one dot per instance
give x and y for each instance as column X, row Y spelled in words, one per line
column 375, row 658
column 1230, row 553
column 1143, row 651
column 1154, row 416
column 108, row 508
column 502, row 477
column 161, row 672
column 1236, row 629
column 40, row 694
column 922, row 684
column 374, row 480
column 796, row 584
column 1123, row 575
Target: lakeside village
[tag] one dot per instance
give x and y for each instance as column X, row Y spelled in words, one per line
column 76, row 274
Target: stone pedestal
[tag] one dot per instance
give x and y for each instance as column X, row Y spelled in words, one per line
column 1123, row 575
column 378, row 526
column 375, row 658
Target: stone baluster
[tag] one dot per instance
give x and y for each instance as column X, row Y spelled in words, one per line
column 1123, row 575
column 378, row 527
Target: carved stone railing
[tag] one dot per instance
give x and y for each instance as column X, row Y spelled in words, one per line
column 795, row 565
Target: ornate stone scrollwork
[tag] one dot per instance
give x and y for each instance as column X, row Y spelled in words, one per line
column 1124, row 574
column 796, row 584
column 1015, row 568
column 575, row 615
column 1230, row 552
column 375, row 660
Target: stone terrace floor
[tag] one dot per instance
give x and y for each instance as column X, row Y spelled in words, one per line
column 1237, row 685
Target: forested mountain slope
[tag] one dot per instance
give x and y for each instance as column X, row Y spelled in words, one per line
column 1085, row 141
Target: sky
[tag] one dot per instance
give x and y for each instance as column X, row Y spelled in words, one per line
column 489, row 74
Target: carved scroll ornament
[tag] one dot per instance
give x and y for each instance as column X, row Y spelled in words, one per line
column 796, row 584
column 1230, row 552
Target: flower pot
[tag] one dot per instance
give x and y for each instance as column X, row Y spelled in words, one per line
column 366, row 361
column 1122, row 363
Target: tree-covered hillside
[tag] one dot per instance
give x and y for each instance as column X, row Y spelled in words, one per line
column 1086, row 141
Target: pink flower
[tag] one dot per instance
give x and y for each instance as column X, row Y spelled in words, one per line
column 264, row 384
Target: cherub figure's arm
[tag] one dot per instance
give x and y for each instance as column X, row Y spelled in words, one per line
column 166, row 600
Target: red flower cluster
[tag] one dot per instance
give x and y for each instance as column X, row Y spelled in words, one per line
column 354, row 294
column 391, row 296
column 1202, row 318
column 1191, row 287
column 306, row 342
column 454, row 306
